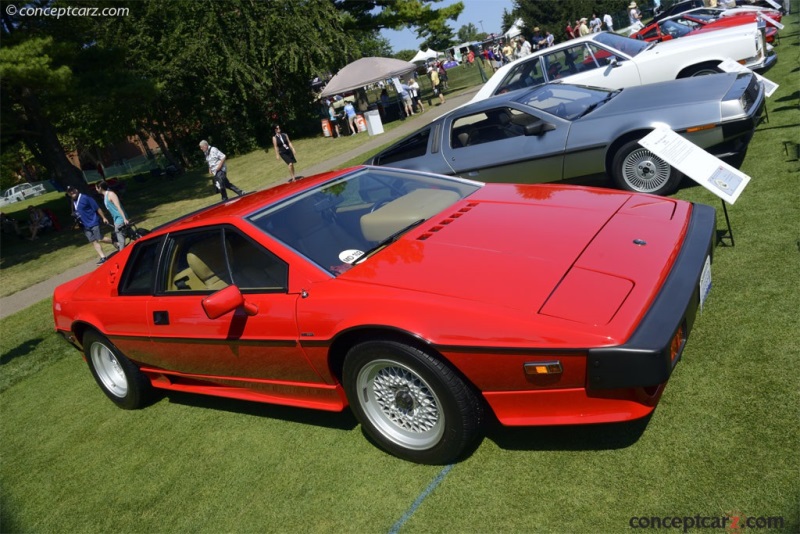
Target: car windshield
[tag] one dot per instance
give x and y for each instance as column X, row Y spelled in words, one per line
column 336, row 223
column 566, row 101
column 678, row 29
column 626, row 45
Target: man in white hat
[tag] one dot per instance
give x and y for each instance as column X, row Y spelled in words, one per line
column 583, row 29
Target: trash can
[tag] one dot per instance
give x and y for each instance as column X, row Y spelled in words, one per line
column 326, row 127
column 374, row 124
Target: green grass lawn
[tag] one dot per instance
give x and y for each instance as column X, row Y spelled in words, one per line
column 723, row 441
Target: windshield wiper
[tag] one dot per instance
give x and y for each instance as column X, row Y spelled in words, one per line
column 392, row 238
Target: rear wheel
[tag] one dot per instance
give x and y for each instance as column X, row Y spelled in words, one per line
column 635, row 168
column 117, row 376
column 412, row 404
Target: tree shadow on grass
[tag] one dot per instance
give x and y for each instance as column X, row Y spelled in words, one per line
column 343, row 420
column 597, row 437
column 23, row 349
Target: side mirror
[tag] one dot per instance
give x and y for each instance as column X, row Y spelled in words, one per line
column 538, row 128
column 226, row 300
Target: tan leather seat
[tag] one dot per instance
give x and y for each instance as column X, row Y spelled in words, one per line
column 208, row 263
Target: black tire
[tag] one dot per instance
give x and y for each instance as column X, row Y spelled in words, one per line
column 117, row 376
column 634, row 168
column 700, row 70
column 412, row 404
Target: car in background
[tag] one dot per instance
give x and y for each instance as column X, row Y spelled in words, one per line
column 731, row 8
column 613, row 61
column 561, row 131
column 426, row 303
column 21, row 192
column 688, row 24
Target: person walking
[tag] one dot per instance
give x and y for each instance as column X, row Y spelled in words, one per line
column 90, row 215
column 524, row 46
column 595, row 23
column 609, row 22
column 285, row 150
column 219, row 170
column 583, row 29
column 350, row 111
column 433, row 74
column 417, row 102
column 114, row 207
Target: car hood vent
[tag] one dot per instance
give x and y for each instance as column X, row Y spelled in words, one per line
column 447, row 220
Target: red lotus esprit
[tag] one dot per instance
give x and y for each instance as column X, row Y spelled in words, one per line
column 423, row 302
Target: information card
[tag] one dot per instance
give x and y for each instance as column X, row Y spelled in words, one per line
column 709, row 171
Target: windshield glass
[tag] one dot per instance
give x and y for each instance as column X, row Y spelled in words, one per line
column 335, row 223
column 678, row 29
column 626, row 45
column 567, row 101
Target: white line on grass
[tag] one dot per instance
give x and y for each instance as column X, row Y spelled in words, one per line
column 432, row 486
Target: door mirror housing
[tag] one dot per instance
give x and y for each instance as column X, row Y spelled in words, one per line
column 227, row 300
column 538, row 128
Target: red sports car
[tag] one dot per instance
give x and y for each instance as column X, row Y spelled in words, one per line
column 423, row 302
column 690, row 24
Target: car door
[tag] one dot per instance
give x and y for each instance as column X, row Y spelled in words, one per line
column 492, row 146
column 197, row 263
column 590, row 63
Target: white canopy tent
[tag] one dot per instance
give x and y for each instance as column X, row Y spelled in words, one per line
column 515, row 29
column 365, row 71
column 426, row 55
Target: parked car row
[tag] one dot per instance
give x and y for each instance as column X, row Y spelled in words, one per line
column 430, row 303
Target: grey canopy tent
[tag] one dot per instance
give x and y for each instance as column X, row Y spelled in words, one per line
column 365, row 71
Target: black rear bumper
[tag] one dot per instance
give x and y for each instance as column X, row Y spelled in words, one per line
column 646, row 359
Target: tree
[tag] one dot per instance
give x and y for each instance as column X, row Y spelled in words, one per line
column 552, row 15
column 467, row 33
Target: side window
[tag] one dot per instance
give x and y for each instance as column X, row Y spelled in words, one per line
column 140, row 272
column 599, row 57
column 211, row 260
column 525, row 74
column 565, row 62
column 652, row 34
column 253, row 267
column 487, row 126
column 196, row 261
column 413, row 147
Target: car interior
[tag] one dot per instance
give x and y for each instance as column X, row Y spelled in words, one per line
column 488, row 126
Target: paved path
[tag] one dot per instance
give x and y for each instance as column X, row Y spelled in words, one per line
column 36, row 293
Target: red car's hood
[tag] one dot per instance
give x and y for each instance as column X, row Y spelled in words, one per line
column 513, row 246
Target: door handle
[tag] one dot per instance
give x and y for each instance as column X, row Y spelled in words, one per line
column 160, row 317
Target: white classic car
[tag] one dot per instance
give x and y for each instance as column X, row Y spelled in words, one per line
column 21, row 192
column 612, row 61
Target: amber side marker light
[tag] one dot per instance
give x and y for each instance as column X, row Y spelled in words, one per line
column 699, row 128
column 543, row 368
column 676, row 346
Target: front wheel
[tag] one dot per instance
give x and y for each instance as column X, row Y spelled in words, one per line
column 412, row 404
column 117, row 376
column 700, row 70
column 635, row 168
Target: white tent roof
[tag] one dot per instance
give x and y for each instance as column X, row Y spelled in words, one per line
column 515, row 29
column 426, row 55
column 365, row 71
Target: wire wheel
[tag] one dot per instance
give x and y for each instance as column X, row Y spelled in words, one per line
column 645, row 172
column 109, row 371
column 400, row 404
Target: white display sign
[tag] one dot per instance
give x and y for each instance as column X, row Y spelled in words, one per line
column 396, row 82
column 730, row 65
column 770, row 20
column 709, row 171
column 774, row 4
